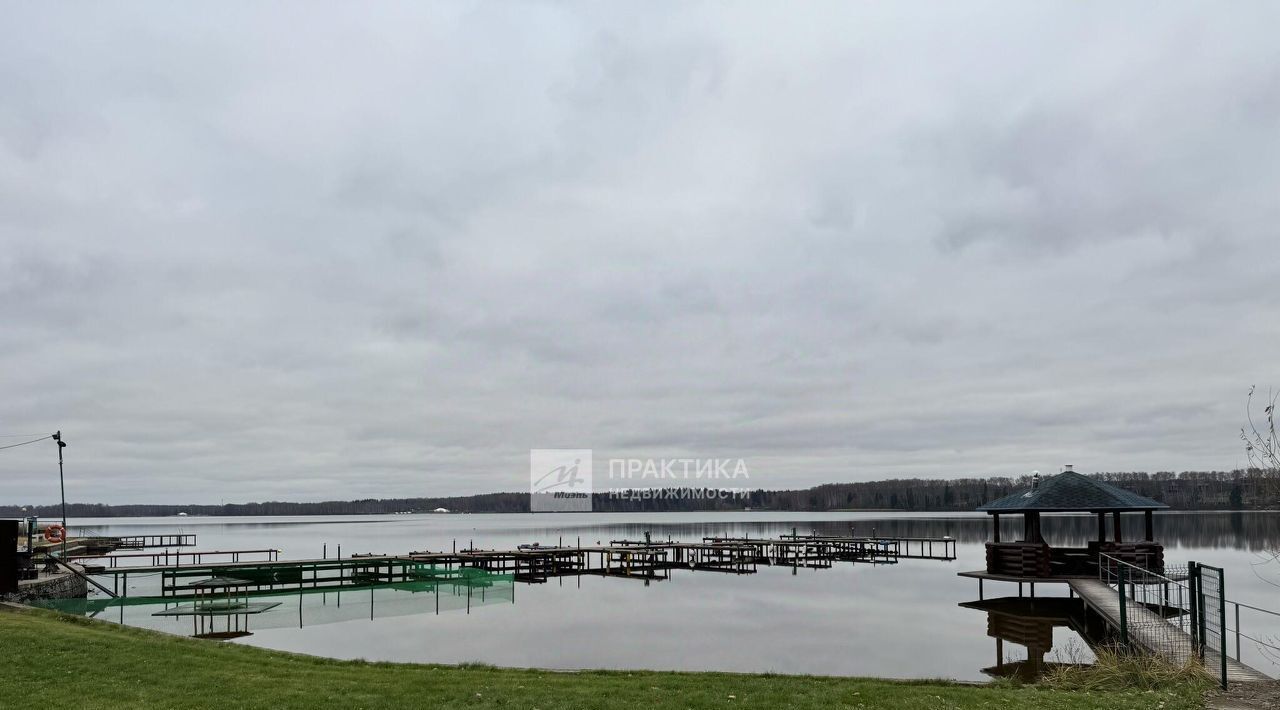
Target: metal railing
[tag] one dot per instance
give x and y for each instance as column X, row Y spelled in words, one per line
column 1269, row 647
column 1156, row 608
column 51, row 561
column 1184, row 613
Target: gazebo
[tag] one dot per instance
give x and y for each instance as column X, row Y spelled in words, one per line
column 1069, row 492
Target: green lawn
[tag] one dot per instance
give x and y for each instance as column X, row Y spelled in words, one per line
column 51, row 660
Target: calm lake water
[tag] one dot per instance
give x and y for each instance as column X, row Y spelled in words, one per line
column 898, row 620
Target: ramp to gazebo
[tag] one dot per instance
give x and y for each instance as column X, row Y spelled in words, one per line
column 1154, row 634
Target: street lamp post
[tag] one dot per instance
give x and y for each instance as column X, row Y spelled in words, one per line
column 57, row 436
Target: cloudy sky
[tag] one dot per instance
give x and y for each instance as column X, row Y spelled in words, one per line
column 340, row 250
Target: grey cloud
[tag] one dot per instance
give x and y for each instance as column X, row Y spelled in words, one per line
column 313, row 252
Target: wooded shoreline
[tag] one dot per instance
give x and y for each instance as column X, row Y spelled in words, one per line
column 1188, row 490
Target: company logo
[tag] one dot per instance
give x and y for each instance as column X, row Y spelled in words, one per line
column 560, row 480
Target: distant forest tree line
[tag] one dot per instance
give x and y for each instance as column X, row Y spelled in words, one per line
column 1189, row 490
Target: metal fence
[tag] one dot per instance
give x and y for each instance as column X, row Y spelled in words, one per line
column 1179, row 612
column 1211, row 618
column 1156, row 608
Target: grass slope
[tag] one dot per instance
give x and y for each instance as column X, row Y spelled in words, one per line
column 52, row 660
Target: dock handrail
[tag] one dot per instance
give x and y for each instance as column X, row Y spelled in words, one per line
column 50, row 558
column 1272, row 648
column 1134, row 583
column 1181, row 603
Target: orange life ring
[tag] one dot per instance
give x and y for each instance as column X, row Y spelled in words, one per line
column 55, row 533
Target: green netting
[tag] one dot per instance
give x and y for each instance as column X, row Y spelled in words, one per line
column 437, row 590
column 465, row 575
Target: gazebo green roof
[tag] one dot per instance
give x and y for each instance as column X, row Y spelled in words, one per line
column 1071, row 491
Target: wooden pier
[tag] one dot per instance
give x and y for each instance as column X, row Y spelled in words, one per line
column 166, row 558
column 98, row 543
column 646, row 559
column 531, row 566
column 139, row 542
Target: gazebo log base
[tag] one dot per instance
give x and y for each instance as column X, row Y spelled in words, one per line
column 1019, row 559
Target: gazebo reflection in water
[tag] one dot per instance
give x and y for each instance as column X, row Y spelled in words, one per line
column 220, row 596
column 1030, row 623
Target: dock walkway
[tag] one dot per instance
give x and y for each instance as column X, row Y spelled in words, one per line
column 1153, row 632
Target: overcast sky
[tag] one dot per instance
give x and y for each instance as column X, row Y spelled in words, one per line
column 338, row 250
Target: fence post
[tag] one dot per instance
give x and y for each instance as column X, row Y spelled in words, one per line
column 1237, row 630
column 1204, row 612
column 1193, row 584
column 1124, row 621
column 1222, row 624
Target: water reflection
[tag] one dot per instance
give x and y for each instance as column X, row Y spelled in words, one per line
column 1253, row 531
column 1030, row 623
